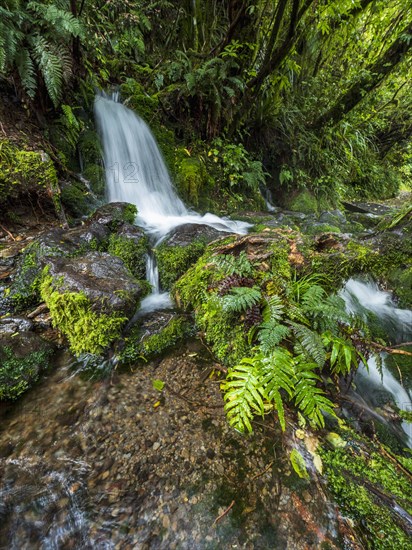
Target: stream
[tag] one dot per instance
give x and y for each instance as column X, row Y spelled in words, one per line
column 118, row 464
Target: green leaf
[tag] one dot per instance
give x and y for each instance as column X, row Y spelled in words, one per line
column 298, row 464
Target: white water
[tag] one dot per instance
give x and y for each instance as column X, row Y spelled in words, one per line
column 137, row 174
column 361, row 297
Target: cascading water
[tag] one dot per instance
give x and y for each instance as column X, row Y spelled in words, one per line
column 375, row 381
column 136, row 173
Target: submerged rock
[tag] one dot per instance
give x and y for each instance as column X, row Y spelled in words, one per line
column 23, row 357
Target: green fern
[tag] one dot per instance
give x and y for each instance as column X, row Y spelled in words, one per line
column 271, row 334
column 241, row 298
column 343, row 356
column 234, row 265
column 309, row 343
column 276, row 374
column 244, row 393
column 308, row 397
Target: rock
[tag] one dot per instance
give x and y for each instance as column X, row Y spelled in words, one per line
column 102, row 278
column 334, row 217
column 185, row 234
column 10, row 325
column 114, row 214
column 22, row 357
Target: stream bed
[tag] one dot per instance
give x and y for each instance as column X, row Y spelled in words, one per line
column 116, row 464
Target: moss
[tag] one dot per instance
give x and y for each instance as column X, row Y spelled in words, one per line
column 76, row 199
column 365, row 482
column 174, row 261
column 141, row 347
column 18, row 374
column 131, row 252
column 86, row 330
column 322, row 228
column 304, row 202
column 25, row 291
column 23, row 171
column 191, row 179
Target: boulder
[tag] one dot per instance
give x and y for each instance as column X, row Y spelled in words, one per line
column 101, row 277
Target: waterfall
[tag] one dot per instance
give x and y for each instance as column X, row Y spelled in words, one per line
column 136, row 173
column 365, row 298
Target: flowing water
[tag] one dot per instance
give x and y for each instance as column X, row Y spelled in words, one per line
column 389, row 378
column 137, row 174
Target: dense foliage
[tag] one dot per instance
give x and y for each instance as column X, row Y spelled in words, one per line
column 316, row 91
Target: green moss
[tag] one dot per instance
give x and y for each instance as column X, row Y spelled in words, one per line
column 141, row 347
column 86, row 330
column 364, row 483
column 76, row 199
column 322, row 228
column 174, row 261
column 304, row 202
column 18, row 374
column 25, row 291
column 22, row 171
column 131, row 252
column 191, row 179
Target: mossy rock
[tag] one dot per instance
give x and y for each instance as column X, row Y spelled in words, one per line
column 114, row 214
column 24, row 171
column 76, row 199
column 368, row 484
column 183, row 246
column 303, row 202
column 23, row 357
column 131, row 245
column 90, row 299
column 192, row 180
column 156, row 334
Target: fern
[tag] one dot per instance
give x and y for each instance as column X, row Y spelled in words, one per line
column 244, row 394
column 309, row 344
column 241, row 298
column 308, row 397
column 343, row 355
column 271, row 335
column 234, row 265
column 273, row 309
column 277, row 373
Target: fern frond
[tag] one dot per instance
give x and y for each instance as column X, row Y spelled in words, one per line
column 241, row 298
column 271, row 334
column 311, row 343
column 277, row 373
column 309, row 398
column 234, row 265
column 50, row 66
column 27, row 72
column 243, row 394
column 273, row 309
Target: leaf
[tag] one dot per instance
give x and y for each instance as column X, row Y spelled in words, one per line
column 158, row 384
column 298, row 464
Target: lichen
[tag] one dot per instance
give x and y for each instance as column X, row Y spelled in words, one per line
column 86, row 330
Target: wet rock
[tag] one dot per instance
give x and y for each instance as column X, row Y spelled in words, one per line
column 10, row 325
column 114, row 214
column 185, row 234
column 23, row 357
column 334, row 217
column 102, row 278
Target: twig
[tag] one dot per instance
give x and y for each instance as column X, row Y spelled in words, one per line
column 223, row 514
column 6, row 231
column 390, row 350
column 268, row 467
